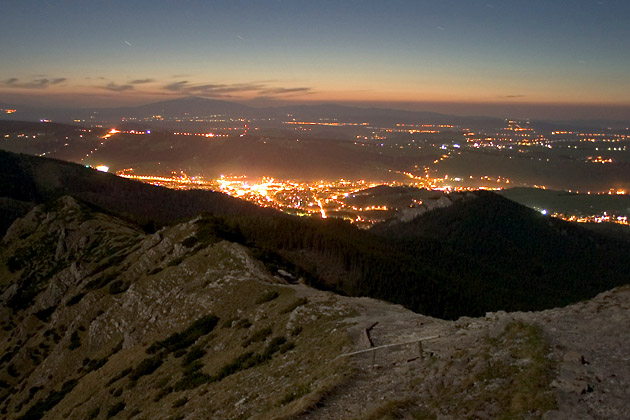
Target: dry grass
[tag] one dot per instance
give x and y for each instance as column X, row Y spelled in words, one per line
column 507, row 377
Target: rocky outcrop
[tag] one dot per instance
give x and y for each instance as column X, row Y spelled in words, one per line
column 408, row 214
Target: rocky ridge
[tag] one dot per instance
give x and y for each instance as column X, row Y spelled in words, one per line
column 102, row 320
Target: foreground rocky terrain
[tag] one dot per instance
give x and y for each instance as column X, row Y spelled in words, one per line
column 100, row 319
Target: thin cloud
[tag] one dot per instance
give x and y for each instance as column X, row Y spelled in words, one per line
column 225, row 90
column 515, row 96
column 177, row 86
column 210, row 89
column 14, row 82
column 238, row 87
column 118, row 88
column 140, row 81
column 282, row 91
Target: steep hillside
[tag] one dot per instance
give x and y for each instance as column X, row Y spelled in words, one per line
column 38, row 180
column 11, row 209
column 101, row 320
column 99, row 317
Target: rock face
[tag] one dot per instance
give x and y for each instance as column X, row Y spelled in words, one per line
column 101, row 320
column 590, row 341
column 407, row 215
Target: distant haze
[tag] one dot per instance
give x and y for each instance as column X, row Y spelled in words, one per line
column 538, row 111
column 518, row 58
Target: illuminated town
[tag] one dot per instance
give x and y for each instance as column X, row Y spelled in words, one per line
column 443, row 144
column 331, row 198
column 324, row 198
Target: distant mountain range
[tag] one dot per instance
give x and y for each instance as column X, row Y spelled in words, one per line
column 198, row 106
column 204, row 107
column 192, row 106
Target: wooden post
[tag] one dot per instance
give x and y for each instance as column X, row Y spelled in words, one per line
column 406, row 343
column 373, row 358
column 368, row 335
column 420, row 348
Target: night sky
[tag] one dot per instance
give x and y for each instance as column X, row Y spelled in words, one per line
column 556, row 58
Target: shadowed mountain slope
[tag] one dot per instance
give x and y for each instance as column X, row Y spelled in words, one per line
column 543, row 260
column 38, row 180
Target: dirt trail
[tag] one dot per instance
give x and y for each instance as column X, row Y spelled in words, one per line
column 590, row 342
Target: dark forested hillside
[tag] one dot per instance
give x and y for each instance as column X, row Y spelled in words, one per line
column 38, row 180
column 546, row 261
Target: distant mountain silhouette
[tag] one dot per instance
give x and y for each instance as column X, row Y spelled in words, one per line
column 359, row 114
column 200, row 106
column 193, row 105
column 58, row 129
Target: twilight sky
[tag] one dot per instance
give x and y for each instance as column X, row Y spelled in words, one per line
column 556, row 58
